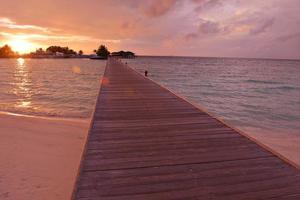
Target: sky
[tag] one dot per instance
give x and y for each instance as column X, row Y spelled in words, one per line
column 217, row 28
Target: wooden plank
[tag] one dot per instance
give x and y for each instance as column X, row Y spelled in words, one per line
column 146, row 143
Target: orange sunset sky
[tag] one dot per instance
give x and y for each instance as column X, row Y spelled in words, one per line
column 235, row 28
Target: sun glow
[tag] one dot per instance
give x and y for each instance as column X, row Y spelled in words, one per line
column 21, row 62
column 21, row 45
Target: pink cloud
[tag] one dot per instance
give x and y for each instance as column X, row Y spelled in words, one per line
column 206, row 4
column 156, row 8
column 286, row 38
column 262, row 27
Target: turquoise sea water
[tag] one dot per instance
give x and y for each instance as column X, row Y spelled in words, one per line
column 247, row 93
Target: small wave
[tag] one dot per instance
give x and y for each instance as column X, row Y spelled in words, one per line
column 286, row 88
column 269, row 90
column 285, row 117
column 262, row 82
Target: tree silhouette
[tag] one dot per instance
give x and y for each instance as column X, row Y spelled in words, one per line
column 80, row 52
column 102, row 52
column 6, row 52
column 123, row 54
column 59, row 49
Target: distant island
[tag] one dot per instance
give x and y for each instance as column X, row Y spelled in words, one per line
column 103, row 53
column 65, row 52
column 123, row 54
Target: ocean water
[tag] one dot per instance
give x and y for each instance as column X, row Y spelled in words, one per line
column 254, row 95
column 250, row 94
column 50, row 87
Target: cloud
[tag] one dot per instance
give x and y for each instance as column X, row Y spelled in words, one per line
column 210, row 27
column 262, row 27
column 206, row 4
column 8, row 23
column 64, row 38
column 288, row 37
column 156, row 8
column 241, row 24
column 191, row 36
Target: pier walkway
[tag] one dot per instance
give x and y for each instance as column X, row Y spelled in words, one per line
column 145, row 143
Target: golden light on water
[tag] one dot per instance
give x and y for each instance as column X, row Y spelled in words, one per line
column 23, row 84
column 21, row 62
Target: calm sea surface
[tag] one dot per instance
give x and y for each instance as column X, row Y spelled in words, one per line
column 251, row 94
column 50, row 87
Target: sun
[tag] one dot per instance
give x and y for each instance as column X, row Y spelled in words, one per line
column 21, row 45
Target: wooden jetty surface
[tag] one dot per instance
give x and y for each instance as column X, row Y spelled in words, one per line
column 145, row 143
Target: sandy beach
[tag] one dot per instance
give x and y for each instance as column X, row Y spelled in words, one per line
column 39, row 157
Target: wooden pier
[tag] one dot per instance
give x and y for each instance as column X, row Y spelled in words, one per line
column 145, row 143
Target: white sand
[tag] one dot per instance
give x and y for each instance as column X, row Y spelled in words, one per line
column 39, row 157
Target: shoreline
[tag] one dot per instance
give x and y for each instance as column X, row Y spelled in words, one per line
column 51, row 118
column 39, row 156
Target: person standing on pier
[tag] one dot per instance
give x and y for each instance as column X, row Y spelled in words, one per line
column 146, row 73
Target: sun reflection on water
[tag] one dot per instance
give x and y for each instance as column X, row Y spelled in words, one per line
column 21, row 61
column 23, row 84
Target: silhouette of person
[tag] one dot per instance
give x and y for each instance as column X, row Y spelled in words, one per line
column 146, row 73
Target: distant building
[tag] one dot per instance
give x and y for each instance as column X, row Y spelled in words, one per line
column 59, row 54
